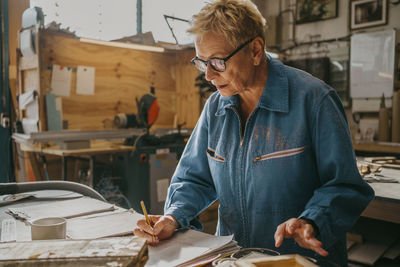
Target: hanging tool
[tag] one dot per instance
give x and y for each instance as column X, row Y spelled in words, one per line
column 147, row 114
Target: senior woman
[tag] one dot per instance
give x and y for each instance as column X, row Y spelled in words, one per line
column 272, row 145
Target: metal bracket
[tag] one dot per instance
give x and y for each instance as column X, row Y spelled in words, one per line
column 4, row 120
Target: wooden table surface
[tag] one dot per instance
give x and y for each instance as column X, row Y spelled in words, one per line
column 96, row 147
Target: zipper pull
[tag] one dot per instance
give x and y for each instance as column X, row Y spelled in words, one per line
column 256, row 159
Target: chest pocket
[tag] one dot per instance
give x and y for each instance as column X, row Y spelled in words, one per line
column 212, row 154
column 280, row 154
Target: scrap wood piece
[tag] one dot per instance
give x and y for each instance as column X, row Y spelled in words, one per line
column 367, row 253
column 122, row 251
column 292, row 260
column 393, row 252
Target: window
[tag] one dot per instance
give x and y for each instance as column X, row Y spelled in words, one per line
column 97, row 19
column 153, row 18
column 109, row 20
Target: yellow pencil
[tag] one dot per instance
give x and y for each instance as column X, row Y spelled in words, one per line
column 146, row 216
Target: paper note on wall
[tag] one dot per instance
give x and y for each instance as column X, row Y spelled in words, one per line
column 85, row 80
column 61, row 80
column 162, row 189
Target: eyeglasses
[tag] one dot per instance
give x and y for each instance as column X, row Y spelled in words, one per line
column 218, row 64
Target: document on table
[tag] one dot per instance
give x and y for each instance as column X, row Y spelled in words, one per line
column 117, row 223
column 40, row 194
column 66, row 208
column 189, row 247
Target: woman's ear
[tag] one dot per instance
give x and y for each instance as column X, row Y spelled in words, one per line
column 257, row 50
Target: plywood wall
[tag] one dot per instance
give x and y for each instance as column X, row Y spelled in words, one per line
column 15, row 10
column 188, row 98
column 121, row 75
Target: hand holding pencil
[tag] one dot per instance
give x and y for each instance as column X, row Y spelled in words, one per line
column 155, row 227
column 146, row 216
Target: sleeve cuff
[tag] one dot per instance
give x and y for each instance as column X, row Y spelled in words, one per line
column 183, row 221
column 320, row 223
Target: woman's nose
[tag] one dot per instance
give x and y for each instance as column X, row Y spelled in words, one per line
column 210, row 73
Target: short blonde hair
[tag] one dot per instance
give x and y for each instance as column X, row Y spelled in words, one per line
column 237, row 20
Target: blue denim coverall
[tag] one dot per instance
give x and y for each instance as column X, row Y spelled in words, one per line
column 293, row 158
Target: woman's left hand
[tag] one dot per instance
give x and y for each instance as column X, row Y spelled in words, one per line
column 302, row 231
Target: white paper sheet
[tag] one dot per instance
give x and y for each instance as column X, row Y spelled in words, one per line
column 85, row 77
column 61, row 80
column 66, row 208
column 30, row 125
column 184, row 246
column 26, row 43
column 8, row 230
column 372, row 66
column 26, row 98
column 32, row 110
column 102, row 225
column 30, row 102
column 162, row 189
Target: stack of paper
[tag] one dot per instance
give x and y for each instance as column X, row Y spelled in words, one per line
column 104, row 224
column 190, row 248
column 66, row 208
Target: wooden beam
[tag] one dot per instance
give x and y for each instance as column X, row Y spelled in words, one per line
column 124, row 45
column 379, row 147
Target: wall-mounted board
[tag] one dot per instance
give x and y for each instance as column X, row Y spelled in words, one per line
column 372, row 64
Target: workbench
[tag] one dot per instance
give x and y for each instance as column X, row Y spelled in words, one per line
column 76, row 144
column 96, row 149
column 118, row 251
column 386, row 204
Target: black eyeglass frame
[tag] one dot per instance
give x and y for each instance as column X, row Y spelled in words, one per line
column 224, row 60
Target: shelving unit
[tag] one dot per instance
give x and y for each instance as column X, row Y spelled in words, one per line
column 378, row 147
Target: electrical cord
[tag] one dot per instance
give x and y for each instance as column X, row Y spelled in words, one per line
column 112, row 192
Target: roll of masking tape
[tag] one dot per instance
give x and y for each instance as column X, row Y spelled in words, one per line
column 49, row 228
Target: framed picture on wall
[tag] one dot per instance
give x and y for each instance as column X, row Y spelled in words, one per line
column 315, row 10
column 368, row 13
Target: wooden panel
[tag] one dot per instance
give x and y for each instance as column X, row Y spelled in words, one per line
column 121, row 76
column 31, row 80
column 15, row 10
column 188, row 97
column 29, row 77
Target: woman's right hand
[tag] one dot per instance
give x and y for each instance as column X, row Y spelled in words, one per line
column 162, row 227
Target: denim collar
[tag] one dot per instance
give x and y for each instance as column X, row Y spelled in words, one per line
column 276, row 92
